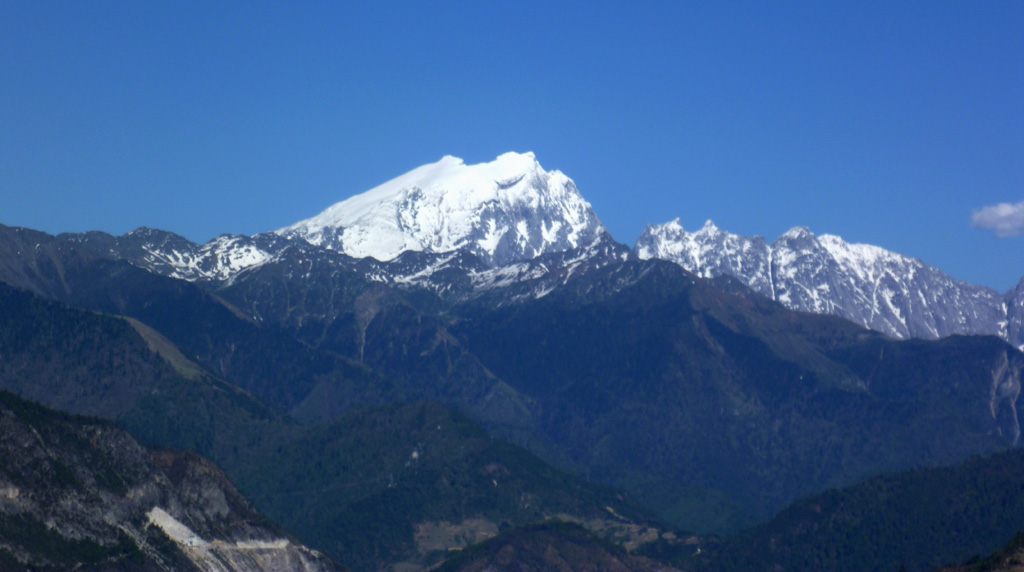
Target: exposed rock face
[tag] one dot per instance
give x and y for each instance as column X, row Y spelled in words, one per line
column 78, row 493
column 888, row 292
column 710, row 252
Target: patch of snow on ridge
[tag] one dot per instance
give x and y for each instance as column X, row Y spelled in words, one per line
column 220, row 259
column 504, row 211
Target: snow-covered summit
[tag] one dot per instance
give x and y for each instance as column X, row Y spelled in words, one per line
column 880, row 289
column 504, row 211
column 708, row 252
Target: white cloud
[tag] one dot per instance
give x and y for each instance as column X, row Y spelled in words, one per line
column 1005, row 219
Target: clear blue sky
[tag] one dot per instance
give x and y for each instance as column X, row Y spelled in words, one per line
column 887, row 123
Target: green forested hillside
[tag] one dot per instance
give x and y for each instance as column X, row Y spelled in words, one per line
column 917, row 520
column 1008, row 559
column 674, row 390
column 714, row 407
column 380, row 485
column 415, row 481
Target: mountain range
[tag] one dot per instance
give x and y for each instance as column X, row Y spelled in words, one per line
column 372, row 486
column 464, row 230
column 713, row 379
column 888, row 292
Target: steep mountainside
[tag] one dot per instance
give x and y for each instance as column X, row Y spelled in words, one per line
column 121, row 369
column 78, row 493
column 412, row 483
column 312, row 363
column 667, row 354
column 1009, row 559
column 653, row 380
column 555, row 547
column 882, row 290
column 917, row 520
column 379, row 486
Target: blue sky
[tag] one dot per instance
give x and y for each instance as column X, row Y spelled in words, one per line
column 886, row 123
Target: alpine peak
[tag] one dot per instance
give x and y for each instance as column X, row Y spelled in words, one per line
column 797, row 232
column 709, row 227
column 888, row 292
column 504, row 211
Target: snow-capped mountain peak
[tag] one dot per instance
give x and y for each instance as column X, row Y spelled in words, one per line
column 883, row 290
column 709, row 252
column 708, row 228
column 504, row 211
column 797, row 233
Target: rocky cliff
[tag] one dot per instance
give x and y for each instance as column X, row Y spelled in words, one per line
column 79, row 493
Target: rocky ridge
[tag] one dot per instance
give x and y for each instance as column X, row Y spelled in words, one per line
column 80, row 493
column 882, row 290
